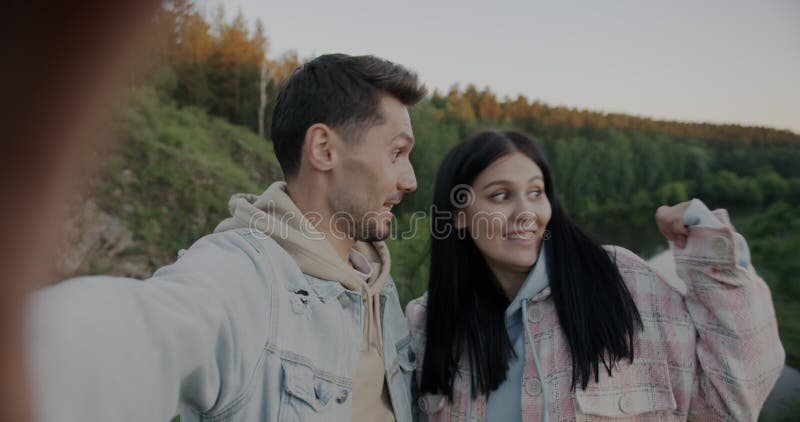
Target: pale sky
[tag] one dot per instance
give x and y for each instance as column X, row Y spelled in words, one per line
column 715, row 61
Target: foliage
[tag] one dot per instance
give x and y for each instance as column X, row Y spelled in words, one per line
column 170, row 175
column 214, row 65
column 774, row 239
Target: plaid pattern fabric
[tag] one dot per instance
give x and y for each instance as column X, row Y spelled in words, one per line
column 708, row 350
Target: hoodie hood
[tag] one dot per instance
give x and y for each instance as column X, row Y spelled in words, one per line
column 276, row 215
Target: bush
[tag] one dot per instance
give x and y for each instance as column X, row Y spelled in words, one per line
column 169, row 177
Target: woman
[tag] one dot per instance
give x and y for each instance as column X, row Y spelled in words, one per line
column 526, row 318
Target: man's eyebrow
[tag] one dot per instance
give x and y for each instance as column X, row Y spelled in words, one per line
column 405, row 136
column 500, row 182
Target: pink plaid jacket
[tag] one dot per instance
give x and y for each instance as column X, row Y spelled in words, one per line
column 709, row 349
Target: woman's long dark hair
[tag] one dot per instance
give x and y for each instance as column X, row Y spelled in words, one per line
column 466, row 306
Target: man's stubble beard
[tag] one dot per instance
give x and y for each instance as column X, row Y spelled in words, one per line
column 351, row 220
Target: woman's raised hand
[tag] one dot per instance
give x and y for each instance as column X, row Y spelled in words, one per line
column 670, row 223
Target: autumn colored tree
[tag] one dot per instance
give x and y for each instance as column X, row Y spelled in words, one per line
column 488, row 107
column 219, row 65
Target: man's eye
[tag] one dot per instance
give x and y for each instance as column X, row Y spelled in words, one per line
column 396, row 155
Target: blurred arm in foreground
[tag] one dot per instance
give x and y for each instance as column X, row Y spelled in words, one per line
column 60, row 62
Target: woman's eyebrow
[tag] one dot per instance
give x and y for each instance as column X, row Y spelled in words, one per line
column 502, row 182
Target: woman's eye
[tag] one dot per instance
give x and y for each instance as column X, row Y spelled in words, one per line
column 534, row 193
column 396, row 155
column 499, row 196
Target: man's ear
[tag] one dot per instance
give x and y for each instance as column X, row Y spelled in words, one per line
column 318, row 147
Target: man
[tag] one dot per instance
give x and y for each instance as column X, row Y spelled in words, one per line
column 287, row 311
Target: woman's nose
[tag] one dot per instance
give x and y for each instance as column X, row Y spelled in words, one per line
column 525, row 216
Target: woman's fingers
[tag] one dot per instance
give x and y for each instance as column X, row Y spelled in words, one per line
column 670, row 224
column 681, row 233
column 680, row 241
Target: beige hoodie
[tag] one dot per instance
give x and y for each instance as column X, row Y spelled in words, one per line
column 275, row 214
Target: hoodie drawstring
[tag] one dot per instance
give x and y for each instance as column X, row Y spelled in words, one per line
column 372, row 313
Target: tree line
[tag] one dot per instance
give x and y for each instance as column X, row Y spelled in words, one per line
column 601, row 160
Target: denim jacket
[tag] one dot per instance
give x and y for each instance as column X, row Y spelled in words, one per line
column 232, row 331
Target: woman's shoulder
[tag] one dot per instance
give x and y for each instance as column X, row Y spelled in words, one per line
column 416, row 308
column 416, row 311
column 635, row 271
column 626, row 259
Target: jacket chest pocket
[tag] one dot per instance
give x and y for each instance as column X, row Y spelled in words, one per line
column 308, row 397
column 638, row 391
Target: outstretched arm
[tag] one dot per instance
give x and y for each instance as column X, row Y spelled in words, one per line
column 106, row 348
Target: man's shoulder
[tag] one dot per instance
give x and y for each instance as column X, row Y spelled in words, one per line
column 246, row 239
column 235, row 253
column 237, row 242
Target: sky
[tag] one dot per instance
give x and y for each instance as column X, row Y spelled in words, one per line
column 698, row 61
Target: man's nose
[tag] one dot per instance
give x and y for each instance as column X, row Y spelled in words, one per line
column 407, row 181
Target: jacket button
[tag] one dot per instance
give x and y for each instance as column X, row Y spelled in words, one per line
column 342, row 396
column 535, row 314
column 719, row 245
column 626, row 404
column 431, row 403
column 533, row 387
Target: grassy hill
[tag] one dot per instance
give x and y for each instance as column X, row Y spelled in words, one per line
column 170, row 174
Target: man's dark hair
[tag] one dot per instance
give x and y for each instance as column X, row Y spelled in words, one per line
column 340, row 91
